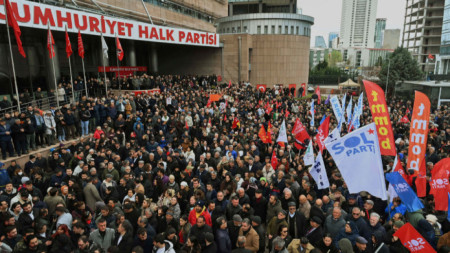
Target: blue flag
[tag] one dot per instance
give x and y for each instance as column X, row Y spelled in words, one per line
column 404, row 191
column 312, row 113
column 448, row 211
column 328, row 100
column 323, row 118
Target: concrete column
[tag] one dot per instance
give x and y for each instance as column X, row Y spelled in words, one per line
column 154, row 59
column 131, row 59
column 230, row 9
column 260, row 8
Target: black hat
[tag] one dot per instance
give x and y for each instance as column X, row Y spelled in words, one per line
column 282, row 212
column 317, row 220
column 361, row 240
column 291, row 204
column 200, row 203
column 209, row 237
column 304, row 240
column 256, row 219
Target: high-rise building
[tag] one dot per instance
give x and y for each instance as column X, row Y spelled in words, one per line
column 358, row 23
column 331, row 36
column 443, row 60
column 380, row 26
column 320, row 42
column 422, row 30
column 266, row 42
column 391, row 38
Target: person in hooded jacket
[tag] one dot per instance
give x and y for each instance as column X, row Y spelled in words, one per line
column 327, row 244
column 161, row 245
column 349, row 231
column 377, row 243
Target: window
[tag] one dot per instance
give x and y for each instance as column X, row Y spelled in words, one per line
column 273, row 30
column 286, row 29
column 304, row 31
column 297, row 30
column 279, row 29
column 266, row 29
column 228, row 30
column 245, row 29
column 292, row 29
column 258, row 29
column 239, row 29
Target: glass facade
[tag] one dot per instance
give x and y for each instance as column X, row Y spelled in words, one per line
column 380, row 26
column 445, row 37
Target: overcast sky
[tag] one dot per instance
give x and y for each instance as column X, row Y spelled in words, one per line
column 327, row 15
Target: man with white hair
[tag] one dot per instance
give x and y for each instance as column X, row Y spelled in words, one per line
column 287, row 197
column 375, row 225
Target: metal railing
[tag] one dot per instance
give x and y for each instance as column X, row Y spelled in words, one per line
column 44, row 103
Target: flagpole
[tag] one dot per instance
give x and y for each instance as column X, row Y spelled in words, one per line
column 104, row 68
column 12, row 59
column 84, row 74
column 50, row 41
column 71, row 78
column 118, row 67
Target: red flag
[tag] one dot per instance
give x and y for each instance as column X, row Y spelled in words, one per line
column 274, row 161
column 269, row 133
column 439, row 184
column 12, row 22
column 421, row 186
column 404, row 119
column 226, row 104
column 286, row 113
column 418, row 133
column 225, row 118
column 236, row 123
column 398, row 168
column 430, row 56
column 209, row 102
column 263, row 134
column 209, row 122
column 304, row 89
column 68, row 45
column 119, row 49
column 229, row 84
column 322, row 133
column 261, row 87
column 50, row 44
column 412, row 240
column 186, row 125
column 318, row 95
column 408, row 111
column 301, row 135
column 268, row 108
column 380, row 115
column 80, row 45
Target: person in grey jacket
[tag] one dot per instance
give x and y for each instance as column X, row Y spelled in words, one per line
column 103, row 236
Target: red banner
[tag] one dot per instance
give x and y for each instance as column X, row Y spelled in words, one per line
column 152, row 91
column 274, row 161
column 304, row 89
column 219, row 78
column 317, row 91
column 121, row 69
column 263, row 134
column 322, row 133
column 418, row 133
column 439, row 185
column 412, row 240
column 380, row 116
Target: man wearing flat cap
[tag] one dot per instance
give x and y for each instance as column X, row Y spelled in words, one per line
column 275, row 223
column 315, row 232
column 199, row 210
column 296, row 221
column 360, row 245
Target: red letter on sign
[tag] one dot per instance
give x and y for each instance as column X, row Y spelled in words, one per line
column 121, row 28
column 196, row 37
column 26, row 11
column 129, row 27
column 60, row 19
column 43, row 17
column 111, row 25
column 143, row 32
column 93, row 24
column 154, row 34
column 169, row 34
column 77, row 22
column 181, row 35
column 189, row 37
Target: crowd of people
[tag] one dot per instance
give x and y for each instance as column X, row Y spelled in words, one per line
column 174, row 172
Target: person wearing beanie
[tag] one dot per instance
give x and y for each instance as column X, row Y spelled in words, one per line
column 199, row 210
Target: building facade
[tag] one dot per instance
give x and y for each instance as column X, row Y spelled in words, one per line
column 422, row 30
column 318, row 55
column 331, row 37
column 320, row 42
column 391, row 38
column 380, row 27
column 265, row 42
column 443, row 59
column 167, row 37
column 358, row 23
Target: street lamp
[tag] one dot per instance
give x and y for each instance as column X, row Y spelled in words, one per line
column 387, row 79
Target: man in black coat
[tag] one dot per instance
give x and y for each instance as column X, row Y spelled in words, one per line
column 296, row 222
column 259, row 204
column 315, row 232
column 211, row 246
column 200, row 229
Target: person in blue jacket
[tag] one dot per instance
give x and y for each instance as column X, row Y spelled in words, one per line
column 394, row 207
